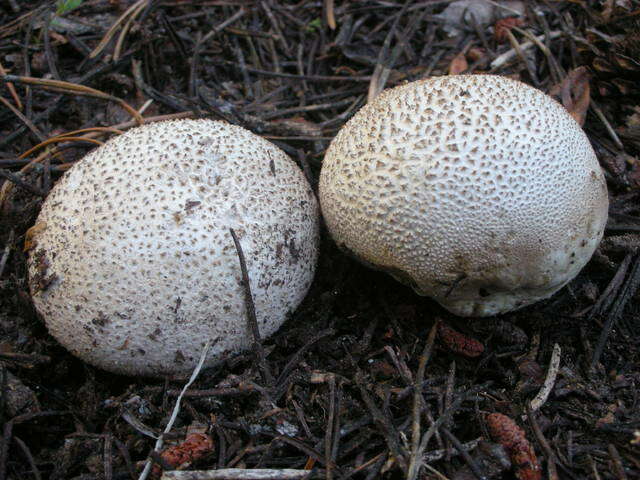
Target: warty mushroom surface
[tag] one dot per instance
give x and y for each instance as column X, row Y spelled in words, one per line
column 477, row 190
column 132, row 265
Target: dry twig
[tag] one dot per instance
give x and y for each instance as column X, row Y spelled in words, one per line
column 252, row 320
column 501, row 60
column 176, row 409
column 416, row 458
column 7, row 251
column 74, row 89
column 242, row 474
column 550, row 380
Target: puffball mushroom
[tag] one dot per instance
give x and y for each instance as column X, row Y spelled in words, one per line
column 477, row 190
column 132, row 264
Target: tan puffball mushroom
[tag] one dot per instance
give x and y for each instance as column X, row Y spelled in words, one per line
column 132, row 265
column 477, row 190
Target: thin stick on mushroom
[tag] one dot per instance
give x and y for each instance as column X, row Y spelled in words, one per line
column 251, row 313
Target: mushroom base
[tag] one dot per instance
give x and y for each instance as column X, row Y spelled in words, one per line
column 498, row 303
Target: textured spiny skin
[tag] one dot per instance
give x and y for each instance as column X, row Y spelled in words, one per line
column 477, row 190
column 135, row 242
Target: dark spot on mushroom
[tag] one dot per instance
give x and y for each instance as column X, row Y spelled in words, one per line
column 294, row 251
column 101, row 320
column 190, row 205
column 179, row 357
column 177, row 306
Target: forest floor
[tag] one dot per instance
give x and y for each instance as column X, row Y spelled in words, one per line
column 344, row 404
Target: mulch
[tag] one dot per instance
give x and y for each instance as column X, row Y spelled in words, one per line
column 368, row 380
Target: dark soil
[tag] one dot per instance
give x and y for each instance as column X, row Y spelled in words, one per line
column 343, row 404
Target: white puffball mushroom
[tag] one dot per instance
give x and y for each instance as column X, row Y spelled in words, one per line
column 132, row 264
column 477, row 190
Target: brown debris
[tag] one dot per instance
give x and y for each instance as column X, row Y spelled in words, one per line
column 458, row 64
column 503, row 25
column 459, row 343
column 195, row 446
column 573, row 92
column 505, row 431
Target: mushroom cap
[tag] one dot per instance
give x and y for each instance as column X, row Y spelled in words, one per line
column 477, row 190
column 132, row 265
